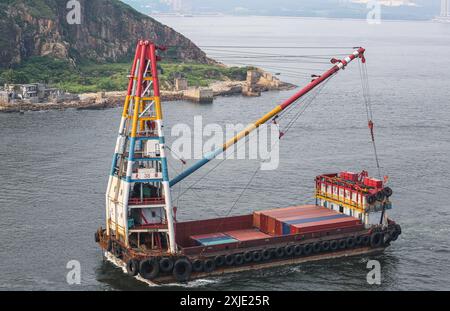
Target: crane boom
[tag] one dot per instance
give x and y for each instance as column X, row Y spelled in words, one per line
column 338, row 65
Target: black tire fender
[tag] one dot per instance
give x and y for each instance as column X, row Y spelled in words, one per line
column 387, row 192
column 197, row 265
column 209, row 265
column 238, row 259
column 229, row 260
column 117, row 251
column 257, row 256
column 350, row 242
column 380, row 195
column 317, row 247
column 279, row 252
column 325, row 246
column 334, row 245
column 376, row 239
column 219, row 261
column 371, row 199
column 366, row 240
column 182, row 270
column 109, row 246
column 359, row 240
column 394, row 235
column 307, row 249
column 398, row 228
column 149, row 269
column 387, row 238
column 342, row 244
column 166, row 264
column 96, row 237
column 266, row 254
column 289, row 250
column 132, row 267
column 298, row 250
column 248, row 256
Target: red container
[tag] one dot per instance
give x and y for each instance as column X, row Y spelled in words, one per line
column 377, row 183
column 324, row 225
column 321, row 213
column 271, row 222
column 292, row 213
column 263, row 223
column 266, row 220
column 247, row 235
column 257, row 219
column 287, row 210
column 352, row 176
column 307, row 213
column 343, row 175
column 372, row 182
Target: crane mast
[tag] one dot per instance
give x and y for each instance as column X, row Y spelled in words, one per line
column 138, row 186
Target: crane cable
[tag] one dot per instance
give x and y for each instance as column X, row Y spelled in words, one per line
column 310, row 97
column 306, row 103
column 368, row 105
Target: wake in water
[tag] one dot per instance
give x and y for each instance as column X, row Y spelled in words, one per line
column 192, row 284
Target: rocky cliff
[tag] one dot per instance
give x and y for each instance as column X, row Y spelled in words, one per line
column 108, row 31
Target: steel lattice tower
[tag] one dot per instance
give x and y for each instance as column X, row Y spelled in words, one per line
column 138, row 198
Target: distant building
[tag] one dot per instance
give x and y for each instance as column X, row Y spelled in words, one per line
column 4, row 97
column 181, row 6
column 181, row 84
column 445, row 12
column 33, row 92
column 445, row 8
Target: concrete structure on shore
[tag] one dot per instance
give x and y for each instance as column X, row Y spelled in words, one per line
column 181, row 84
column 259, row 81
column 200, row 95
column 4, row 97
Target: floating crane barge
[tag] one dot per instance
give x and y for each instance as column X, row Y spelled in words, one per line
column 349, row 217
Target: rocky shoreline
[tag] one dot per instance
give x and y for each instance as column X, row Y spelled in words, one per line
column 103, row 100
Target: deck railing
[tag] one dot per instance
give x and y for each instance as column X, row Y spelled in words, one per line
column 146, row 201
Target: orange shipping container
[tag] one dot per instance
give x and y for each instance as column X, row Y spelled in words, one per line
column 257, row 219
column 320, row 213
column 288, row 210
column 324, row 225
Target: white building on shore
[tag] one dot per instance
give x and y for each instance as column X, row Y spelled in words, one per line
column 32, row 93
column 445, row 12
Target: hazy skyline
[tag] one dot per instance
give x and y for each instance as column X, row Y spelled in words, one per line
column 391, row 9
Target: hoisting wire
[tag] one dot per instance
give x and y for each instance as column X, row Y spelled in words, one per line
column 368, row 105
column 183, row 161
column 217, row 165
column 214, row 167
column 309, row 99
column 241, row 194
column 177, row 199
column 307, row 103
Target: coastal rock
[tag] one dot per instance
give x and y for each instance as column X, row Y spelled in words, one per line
column 108, row 31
